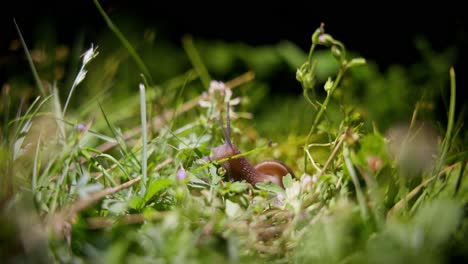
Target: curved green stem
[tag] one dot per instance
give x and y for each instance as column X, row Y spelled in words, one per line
column 451, row 118
column 325, row 104
column 311, row 52
column 322, row 110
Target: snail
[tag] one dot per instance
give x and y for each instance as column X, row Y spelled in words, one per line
column 240, row 168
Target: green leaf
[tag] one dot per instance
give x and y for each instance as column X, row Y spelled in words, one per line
column 238, row 187
column 136, row 202
column 157, row 186
column 372, row 148
column 196, row 182
column 287, row 181
column 292, row 54
column 232, row 209
column 356, row 62
column 269, row 187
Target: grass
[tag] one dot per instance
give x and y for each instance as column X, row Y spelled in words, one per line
column 134, row 183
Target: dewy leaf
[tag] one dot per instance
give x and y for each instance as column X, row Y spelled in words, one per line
column 157, row 186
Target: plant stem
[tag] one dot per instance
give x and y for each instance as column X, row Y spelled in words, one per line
column 311, row 52
column 325, row 104
column 451, row 117
column 143, row 132
column 352, row 173
column 332, row 155
column 72, row 89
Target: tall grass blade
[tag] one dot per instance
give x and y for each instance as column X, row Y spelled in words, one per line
column 30, row 61
column 58, row 112
column 196, row 60
column 36, row 165
column 124, row 41
column 451, row 117
column 144, row 132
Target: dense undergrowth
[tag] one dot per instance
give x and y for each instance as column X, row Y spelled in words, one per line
column 114, row 165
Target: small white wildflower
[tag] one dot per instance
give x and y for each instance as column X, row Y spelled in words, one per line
column 217, row 96
column 217, row 86
column 306, row 179
column 293, row 191
column 314, row 178
column 279, row 201
column 293, row 198
column 235, row 101
column 204, row 101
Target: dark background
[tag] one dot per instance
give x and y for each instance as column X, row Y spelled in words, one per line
column 383, row 32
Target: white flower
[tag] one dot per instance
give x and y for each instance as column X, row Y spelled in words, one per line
column 306, row 179
column 218, row 95
column 293, row 191
column 279, row 201
column 219, row 86
column 315, row 178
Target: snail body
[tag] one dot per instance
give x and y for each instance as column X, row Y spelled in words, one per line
column 240, row 168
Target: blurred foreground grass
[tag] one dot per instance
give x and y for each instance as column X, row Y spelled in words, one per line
column 384, row 181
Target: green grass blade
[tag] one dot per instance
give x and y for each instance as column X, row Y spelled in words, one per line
column 122, row 144
column 5, row 108
column 36, row 165
column 196, row 60
column 144, row 132
column 451, row 118
column 124, row 41
column 30, row 61
column 26, row 115
column 59, row 185
column 58, row 112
